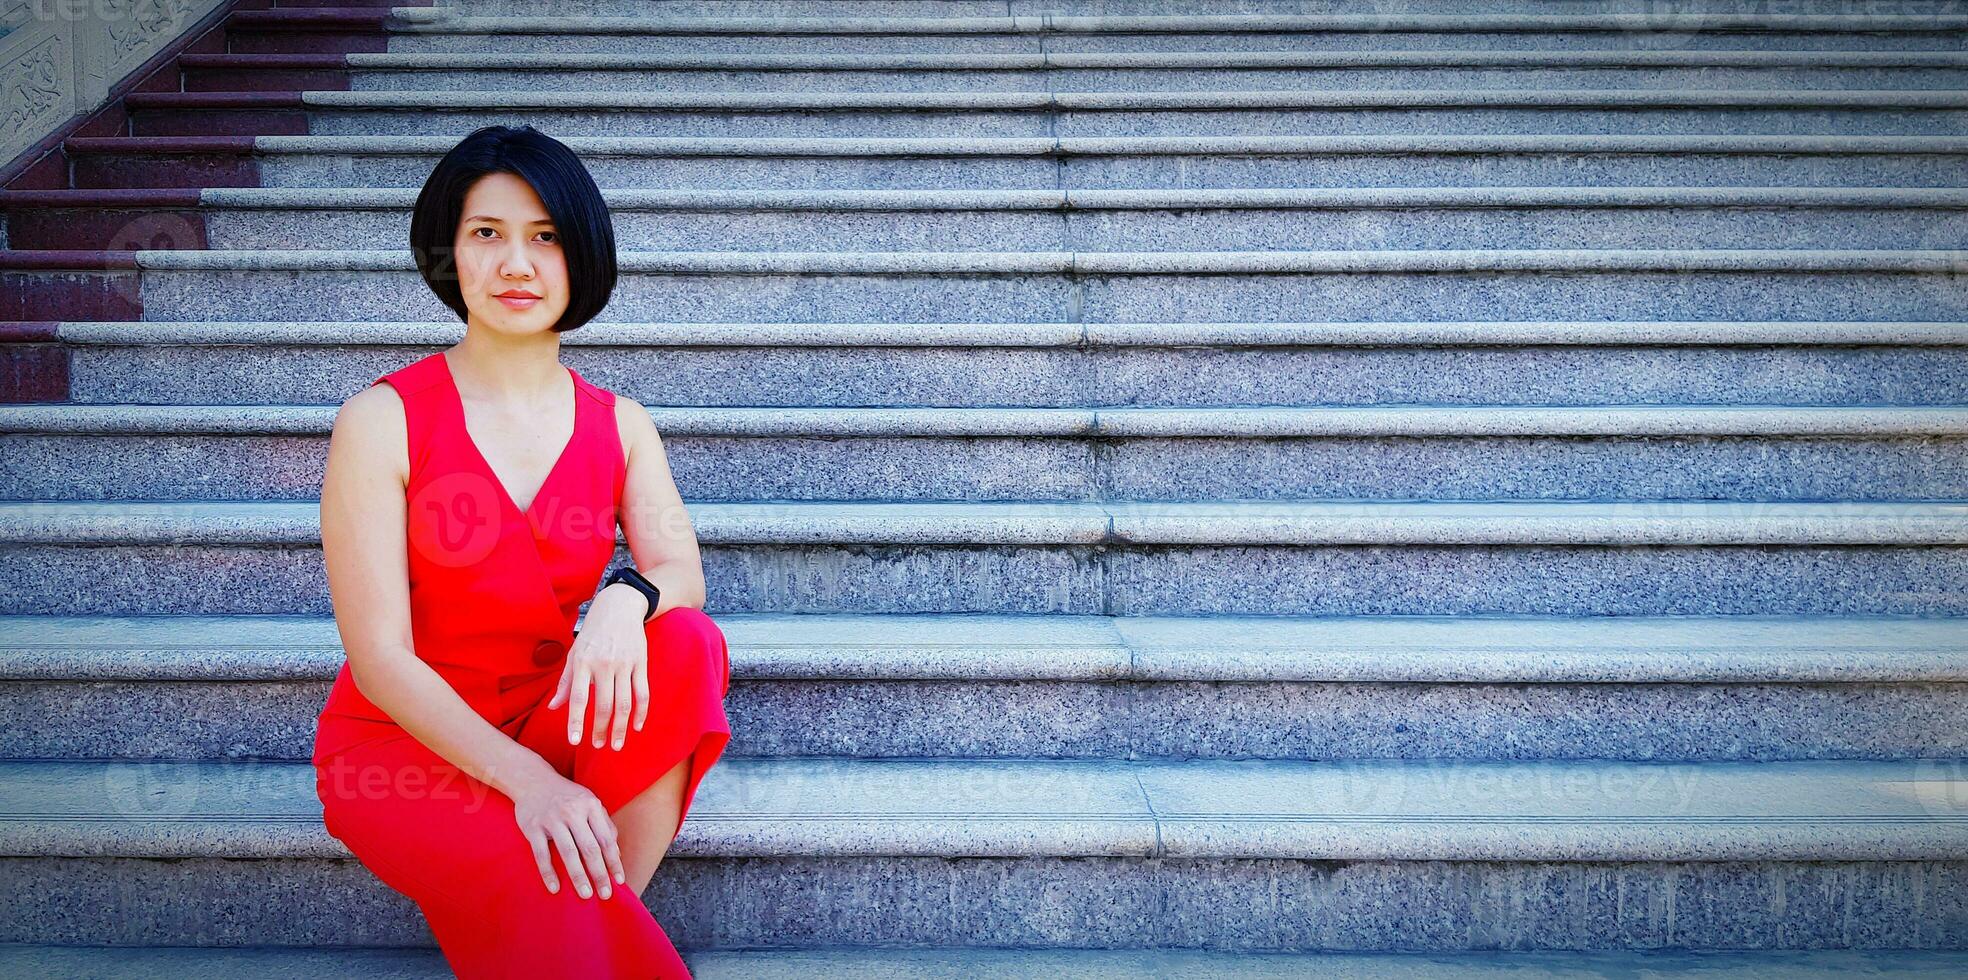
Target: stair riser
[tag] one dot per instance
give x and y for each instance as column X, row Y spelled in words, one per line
column 1122, row 171
column 79, row 294
column 286, row 79
column 1272, row 229
column 108, row 228
column 1644, row 35
column 1656, row 12
column 1674, row 120
column 1937, row 290
column 139, row 169
column 177, row 467
column 1558, row 580
column 1119, row 902
column 1041, row 377
column 1098, row 80
column 1936, row 293
column 1322, row 721
column 247, row 40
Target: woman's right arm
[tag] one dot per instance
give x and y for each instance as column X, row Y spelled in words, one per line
column 364, row 544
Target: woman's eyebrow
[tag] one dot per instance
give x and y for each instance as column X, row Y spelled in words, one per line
column 487, row 217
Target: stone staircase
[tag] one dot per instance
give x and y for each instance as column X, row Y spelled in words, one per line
column 1217, row 487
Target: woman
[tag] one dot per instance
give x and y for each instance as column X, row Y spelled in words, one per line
column 518, row 779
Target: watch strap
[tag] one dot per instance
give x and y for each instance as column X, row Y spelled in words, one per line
column 635, row 580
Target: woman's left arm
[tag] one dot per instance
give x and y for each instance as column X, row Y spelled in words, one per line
column 611, row 654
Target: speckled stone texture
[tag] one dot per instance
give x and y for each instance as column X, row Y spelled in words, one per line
column 267, row 222
column 379, row 76
column 337, row 294
column 355, row 166
column 1383, row 161
column 996, row 11
column 1379, row 36
column 1095, row 686
column 271, row 467
column 1040, row 902
column 992, row 963
column 992, row 718
column 1160, row 580
column 1501, row 168
column 721, row 373
column 345, row 114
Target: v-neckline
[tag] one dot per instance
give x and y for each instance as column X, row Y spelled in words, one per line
column 458, row 401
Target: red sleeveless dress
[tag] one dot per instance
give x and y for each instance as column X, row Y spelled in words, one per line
column 494, row 598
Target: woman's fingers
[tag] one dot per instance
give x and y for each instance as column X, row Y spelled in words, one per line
column 570, row 855
column 604, row 705
column 618, row 694
column 639, row 680
column 593, row 864
column 611, row 845
column 623, row 703
column 560, row 690
column 578, row 704
column 544, row 858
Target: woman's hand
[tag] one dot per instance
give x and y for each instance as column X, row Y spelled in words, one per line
column 569, row 815
column 611, row 654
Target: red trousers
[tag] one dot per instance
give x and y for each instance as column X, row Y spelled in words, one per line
column 451, row 844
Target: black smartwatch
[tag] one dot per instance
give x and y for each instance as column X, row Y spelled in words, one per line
column 627, row 573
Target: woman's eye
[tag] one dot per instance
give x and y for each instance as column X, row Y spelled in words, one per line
column 475, row 231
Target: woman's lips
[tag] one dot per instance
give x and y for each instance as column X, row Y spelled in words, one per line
column 518, row 302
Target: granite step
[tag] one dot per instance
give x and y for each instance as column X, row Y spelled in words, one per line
column 1101, row 366
column 987, row 963
column 1309, row 688
column 1885, row 112
column 1079, row 72
column 1640, row 11
column 1664, row 452
column 1230, row 219
column 1396, row 364
column 1099, row 853
column 1277, row 557
column 963, row 163
column 446, row 30
column 1386, row 284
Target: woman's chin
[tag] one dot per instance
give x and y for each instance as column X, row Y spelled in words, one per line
column 518, row 322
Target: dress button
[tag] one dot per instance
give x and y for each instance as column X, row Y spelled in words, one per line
column 546, row 652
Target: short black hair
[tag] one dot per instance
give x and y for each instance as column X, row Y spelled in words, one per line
column 580, row 217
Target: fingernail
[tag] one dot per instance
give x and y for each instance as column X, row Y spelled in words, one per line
column 621, row 879
column 605, row 893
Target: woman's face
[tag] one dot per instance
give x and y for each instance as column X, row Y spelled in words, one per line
column 507, row 244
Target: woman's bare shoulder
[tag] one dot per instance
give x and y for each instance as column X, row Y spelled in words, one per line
column 371, row 423
column 633, row 421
